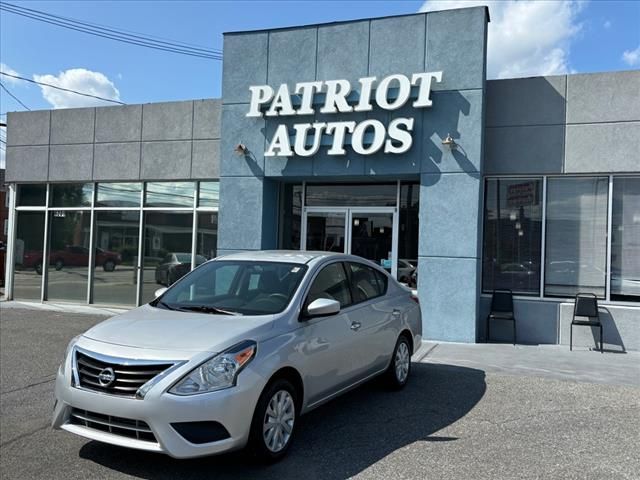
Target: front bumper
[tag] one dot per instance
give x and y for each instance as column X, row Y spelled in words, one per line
column 233, row 408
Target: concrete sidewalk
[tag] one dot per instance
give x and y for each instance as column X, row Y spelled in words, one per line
column 62, row 307
column 546, row 361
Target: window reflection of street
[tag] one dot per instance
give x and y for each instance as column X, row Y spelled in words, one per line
column 116, row 238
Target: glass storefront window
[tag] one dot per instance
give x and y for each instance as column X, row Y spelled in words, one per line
column 28, row 246
column 115, row 272
column 167, row 250
column 71, row 194
column 31, row 195
column 576, row 243
column 118, row 195
column 326, row 231
column 351, row 195
column 169, row 194
column 371, row 236
column 291, row 217
column 209, row 194
column 68, row 255
column 207, row 234
column 625, row 240
column 408, row 233
column 512, row 235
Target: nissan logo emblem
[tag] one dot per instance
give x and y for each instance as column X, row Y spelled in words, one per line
column 106, row 377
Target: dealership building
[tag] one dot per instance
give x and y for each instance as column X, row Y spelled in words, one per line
column 379, row 137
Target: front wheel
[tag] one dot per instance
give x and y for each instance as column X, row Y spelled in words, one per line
column 397, row 374
column 274, row 420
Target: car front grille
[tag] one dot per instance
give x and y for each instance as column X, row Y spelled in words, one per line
column 127, row 379
column 124, row 427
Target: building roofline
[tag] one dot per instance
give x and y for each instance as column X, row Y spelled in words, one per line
column 356, row 20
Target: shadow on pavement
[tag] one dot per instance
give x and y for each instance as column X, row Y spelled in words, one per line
column 335, row 441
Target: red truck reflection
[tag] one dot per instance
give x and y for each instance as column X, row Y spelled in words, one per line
column 72, row 256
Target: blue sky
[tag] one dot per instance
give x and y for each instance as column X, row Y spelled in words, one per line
column 554, row 37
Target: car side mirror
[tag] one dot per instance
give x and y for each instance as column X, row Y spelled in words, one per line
column 159, row 292
column 321, row 307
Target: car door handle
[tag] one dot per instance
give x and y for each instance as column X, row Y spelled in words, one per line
column 395, row 313
column 355, row 326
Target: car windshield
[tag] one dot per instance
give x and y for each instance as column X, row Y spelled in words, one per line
column 235, row 288
column 183, row 257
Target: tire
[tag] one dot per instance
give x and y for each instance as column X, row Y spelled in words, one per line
column 397, row 375
column 109, row 266
column 259, row 446
column 59, row 265
column 38, row 268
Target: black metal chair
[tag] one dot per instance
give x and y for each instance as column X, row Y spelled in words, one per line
column 586, row 306
column 501, row 309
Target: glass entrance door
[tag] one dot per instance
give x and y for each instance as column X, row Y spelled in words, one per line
column 370, row 233
column 326, row 231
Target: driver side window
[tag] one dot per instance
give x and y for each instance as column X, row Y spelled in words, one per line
column 331, row 283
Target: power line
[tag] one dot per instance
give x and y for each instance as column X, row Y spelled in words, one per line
column 119, row 31
column 164, row 40
column 112, row 34
column 13, row 96
column 58, row 88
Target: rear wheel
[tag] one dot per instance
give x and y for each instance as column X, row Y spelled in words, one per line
column 274, row 420
column 397, row 374
column 109, row 266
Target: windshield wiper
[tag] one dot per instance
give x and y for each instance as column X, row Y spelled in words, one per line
column 206, row 309
column 165, row 305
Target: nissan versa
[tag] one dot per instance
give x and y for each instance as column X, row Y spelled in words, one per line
column 235, row 351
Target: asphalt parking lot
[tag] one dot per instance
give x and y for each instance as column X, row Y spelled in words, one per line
column 458, row 418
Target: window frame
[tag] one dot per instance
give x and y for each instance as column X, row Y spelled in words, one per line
column 541, row 297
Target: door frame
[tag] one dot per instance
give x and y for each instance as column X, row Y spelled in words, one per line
column 348, row 218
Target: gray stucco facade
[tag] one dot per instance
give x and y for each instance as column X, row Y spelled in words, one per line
column 450, row 190
column 159, row 141
column 541, row 128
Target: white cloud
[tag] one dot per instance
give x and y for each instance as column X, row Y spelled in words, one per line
column 7, row 69
column 631, row 57
column 81, row 80
column 526, row 37
column 607, row 24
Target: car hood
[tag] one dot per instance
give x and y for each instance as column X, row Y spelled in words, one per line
column 156, row 328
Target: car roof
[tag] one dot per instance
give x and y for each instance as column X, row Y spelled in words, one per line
column 289, row 256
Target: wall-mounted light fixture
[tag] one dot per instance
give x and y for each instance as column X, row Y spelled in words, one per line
column 241, row 149
column 449, row 142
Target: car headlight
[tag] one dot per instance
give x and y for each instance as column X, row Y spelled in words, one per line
column 72, row 344
column 220, row 371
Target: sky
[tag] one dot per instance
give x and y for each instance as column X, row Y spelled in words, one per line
column 526, row 38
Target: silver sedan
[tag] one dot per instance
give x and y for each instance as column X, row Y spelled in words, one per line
column 234, row 352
